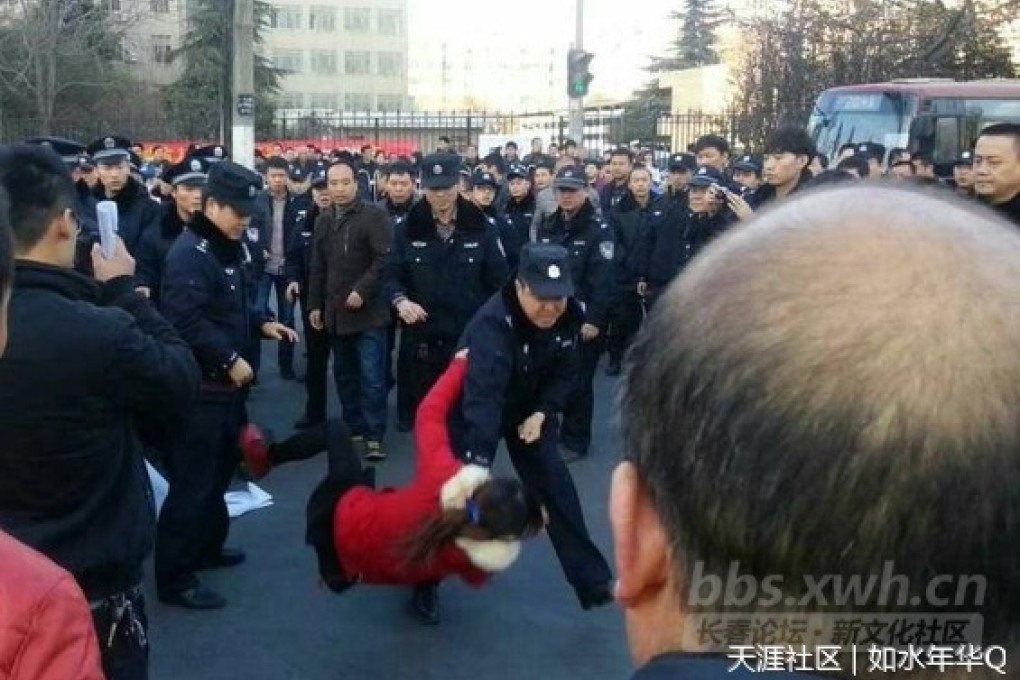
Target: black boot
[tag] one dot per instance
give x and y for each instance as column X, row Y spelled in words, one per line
column 425, row 603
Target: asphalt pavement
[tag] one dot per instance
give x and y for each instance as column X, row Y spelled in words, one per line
column 278, row 624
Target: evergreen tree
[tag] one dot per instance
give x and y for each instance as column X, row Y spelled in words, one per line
column 695, row 44
column 199, row 103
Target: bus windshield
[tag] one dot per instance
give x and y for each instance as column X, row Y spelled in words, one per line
column 844, row 117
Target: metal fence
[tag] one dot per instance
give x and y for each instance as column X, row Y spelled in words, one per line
column 415, row 131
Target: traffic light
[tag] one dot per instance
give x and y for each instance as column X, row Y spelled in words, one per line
column 578, row 77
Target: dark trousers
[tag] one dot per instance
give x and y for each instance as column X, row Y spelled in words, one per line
column 284, row 312
column 317, row 346
column 359, row 367
column 420, row 363
column 193, row 523
column 625, row 316
column 125, row 656
column 576, row 431
column 543, row 471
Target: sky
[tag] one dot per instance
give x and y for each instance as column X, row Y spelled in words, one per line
column 622, row 35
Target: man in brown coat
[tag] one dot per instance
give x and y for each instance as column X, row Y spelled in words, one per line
column 349, row 251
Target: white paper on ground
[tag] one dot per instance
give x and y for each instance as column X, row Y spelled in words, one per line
column 242, row 502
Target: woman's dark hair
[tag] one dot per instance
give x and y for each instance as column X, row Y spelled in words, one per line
column 499, row 509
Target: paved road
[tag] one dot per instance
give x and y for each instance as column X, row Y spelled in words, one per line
column 280, row 625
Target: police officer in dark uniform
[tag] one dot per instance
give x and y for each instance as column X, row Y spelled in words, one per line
column 136, row 212
column 589, row 241
column 522, row 361
column 298, row 270
column 445, row 262
column 483, row 195
column 186, row 180
column 515, row 226
column 204, row 297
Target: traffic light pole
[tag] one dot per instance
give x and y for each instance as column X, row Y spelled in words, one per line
column 577, row 104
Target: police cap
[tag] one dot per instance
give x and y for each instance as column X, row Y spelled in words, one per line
column 683, row 162
column 517, row 171
column 68, row 150
column 748, row 163
column 965, row 158
column 110, row 150
column 545, row 269
column 319, row 180
column 234, row 185
column 191, row 172
column 296, row 173
column 570, row 178
column 212, row 153
column 483, row 178
column 440, row 171
column 706, row 176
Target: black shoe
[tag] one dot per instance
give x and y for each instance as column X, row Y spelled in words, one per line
column 195, row 597
column 595, row 597
column 287, row 373
column 425, row 603
column 227, row 557
column 306, row 423
column 613, row 369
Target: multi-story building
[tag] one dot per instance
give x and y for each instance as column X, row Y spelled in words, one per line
column 340, row 55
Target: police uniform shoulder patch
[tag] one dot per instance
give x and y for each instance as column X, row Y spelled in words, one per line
column 606, row 250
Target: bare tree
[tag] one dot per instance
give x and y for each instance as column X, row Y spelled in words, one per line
column 59, row 54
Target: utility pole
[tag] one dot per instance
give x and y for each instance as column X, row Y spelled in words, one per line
column 576, row 129
column 242, row 91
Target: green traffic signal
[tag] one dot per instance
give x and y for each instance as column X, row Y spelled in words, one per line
column 578, row 75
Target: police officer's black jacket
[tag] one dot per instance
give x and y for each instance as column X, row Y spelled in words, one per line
column 298, row 264
column 136, row 212
column 397, row 212
column 155, row 245
column 84, row 363
column 1010, row 209
column 514, row 370
column 204, row 296
column 589, row 241
column 515, row 228
column 633, row 229
column 450, row 280
column 677, row 243
column 611, row 194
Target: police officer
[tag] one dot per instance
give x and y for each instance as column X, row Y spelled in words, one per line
column 522, row 361
column 298, row 270
column 186, row 180
column 210, row 153
column 589, row 241
column 136, row 212
column 445, row 262
column 963, row 174
column 747, row 173
column 483, row 194
column 520, row 211
column 204, row 297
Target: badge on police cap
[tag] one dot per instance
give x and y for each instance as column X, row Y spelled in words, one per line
column 218, row 152
column 554, row 272
column 196, row 165
column 437, row 169
column 109, row 143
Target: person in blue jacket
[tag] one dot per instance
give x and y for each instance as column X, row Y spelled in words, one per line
column 523, row 345
column 204, row 296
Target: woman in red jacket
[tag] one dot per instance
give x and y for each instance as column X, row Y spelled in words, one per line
column 452, row 520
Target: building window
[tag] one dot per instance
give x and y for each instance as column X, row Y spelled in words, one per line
column 161, row 47
column 357, row 19
column 391, row 22
column 286, row 18
column 356, row 101
column 324, row 62
column 390, row 102
column 159, row 6
column 322, row 19
column 325, row 102
column 357, row 63
column 291, row 61
column 391, row 63
column 291, row 101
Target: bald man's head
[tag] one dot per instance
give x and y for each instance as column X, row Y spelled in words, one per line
column 834, row 386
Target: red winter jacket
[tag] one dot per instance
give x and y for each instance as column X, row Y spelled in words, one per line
column 45, row 624
column 371, row 525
